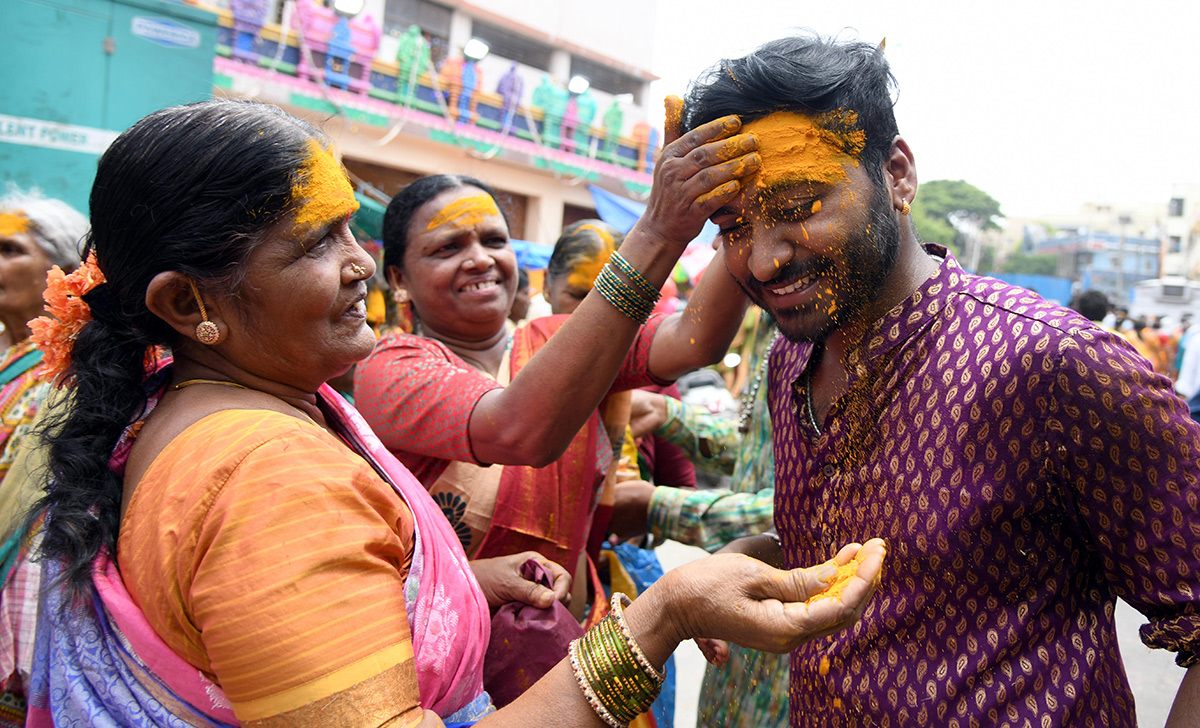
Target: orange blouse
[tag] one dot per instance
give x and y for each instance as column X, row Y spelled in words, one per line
column 271, row 557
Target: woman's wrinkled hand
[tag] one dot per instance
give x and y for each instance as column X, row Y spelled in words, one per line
column 696, row 174
column 737, row 598
column 501, row 581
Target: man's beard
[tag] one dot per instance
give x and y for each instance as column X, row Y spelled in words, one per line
column 868, row 258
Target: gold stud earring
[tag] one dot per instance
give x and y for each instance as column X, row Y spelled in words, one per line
column 206, row 331
column 401, row 296
column 906, row 209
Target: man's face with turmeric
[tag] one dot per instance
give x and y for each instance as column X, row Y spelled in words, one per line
column 811, row 238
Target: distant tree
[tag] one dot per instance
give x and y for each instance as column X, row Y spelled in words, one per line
column 959, row 203
column 953, row 213
column 1044, row 265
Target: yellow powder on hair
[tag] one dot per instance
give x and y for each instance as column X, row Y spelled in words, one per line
column 583, row 275
column 13, row 223
column 800, row 148
column 674, row 124
column 323, row 193
column 465, row 212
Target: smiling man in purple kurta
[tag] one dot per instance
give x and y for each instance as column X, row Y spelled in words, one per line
column 1026, row 467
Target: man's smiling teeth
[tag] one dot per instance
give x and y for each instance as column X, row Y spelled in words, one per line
column 481, row 286
column 793, row 287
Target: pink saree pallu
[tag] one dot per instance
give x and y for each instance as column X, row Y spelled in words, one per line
column 98, row 662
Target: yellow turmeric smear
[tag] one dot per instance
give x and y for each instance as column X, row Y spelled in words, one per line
column 816, row 206
column 13, row 223
column 323, row 192
column 735, row 147
column 674, row 124
column 844, row 574
column 800, row 148
column 583, row 276
column 728, row 188
column 465, row 212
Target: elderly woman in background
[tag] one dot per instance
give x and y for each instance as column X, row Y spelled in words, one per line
column 229, row 543
column 507, row 433
column 35, row 233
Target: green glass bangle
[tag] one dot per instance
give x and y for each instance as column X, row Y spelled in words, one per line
column 573, row 652
column 619, row 602
column 637, row 302
column 641, row 297
column 635, row 276
column 611, row 678
column 619, row 296
column 626, row 673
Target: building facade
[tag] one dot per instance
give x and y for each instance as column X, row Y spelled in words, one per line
column 404, row 87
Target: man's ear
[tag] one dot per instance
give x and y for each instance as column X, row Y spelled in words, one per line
column 900, row 173
column 170, row 297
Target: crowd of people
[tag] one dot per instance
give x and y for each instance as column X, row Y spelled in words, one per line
column 939, row 483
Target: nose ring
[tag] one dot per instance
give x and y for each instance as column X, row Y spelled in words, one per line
column 358, row 270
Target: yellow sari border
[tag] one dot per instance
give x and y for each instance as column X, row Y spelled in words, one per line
column 326, row 685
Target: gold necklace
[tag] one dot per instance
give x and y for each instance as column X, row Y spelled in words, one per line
column 190, row 382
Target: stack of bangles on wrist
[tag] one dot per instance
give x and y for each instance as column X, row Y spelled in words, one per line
column 616, row 678
column 636, row 298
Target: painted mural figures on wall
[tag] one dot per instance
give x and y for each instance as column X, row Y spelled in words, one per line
column 412, row 62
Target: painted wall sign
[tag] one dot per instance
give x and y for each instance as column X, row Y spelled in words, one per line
column 166, row 33
column 51, row 135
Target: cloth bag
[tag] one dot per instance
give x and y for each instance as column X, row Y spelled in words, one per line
column 526, row 641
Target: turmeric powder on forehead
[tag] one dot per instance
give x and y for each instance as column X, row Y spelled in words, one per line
column 322, row 192
column 800, row 148
column 465, row 212
column 13, row 223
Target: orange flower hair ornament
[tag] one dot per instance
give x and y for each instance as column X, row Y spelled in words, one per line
column 69, row 313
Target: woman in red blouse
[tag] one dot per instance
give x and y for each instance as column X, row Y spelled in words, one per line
column 502, row 429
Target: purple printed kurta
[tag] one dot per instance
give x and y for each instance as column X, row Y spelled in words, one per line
column 1026, row 468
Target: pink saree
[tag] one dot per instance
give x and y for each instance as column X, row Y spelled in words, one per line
column 100, row 662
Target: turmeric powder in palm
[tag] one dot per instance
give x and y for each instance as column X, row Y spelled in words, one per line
column 844, row 573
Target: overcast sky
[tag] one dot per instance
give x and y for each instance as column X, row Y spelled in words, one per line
column 1043, row 104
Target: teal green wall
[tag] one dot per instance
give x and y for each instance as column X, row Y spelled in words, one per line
column 79, row 62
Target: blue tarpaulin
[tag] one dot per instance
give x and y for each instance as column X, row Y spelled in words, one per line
column 622, row 214
column 531, row 256
column 615, row 210
column 1050, row 288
